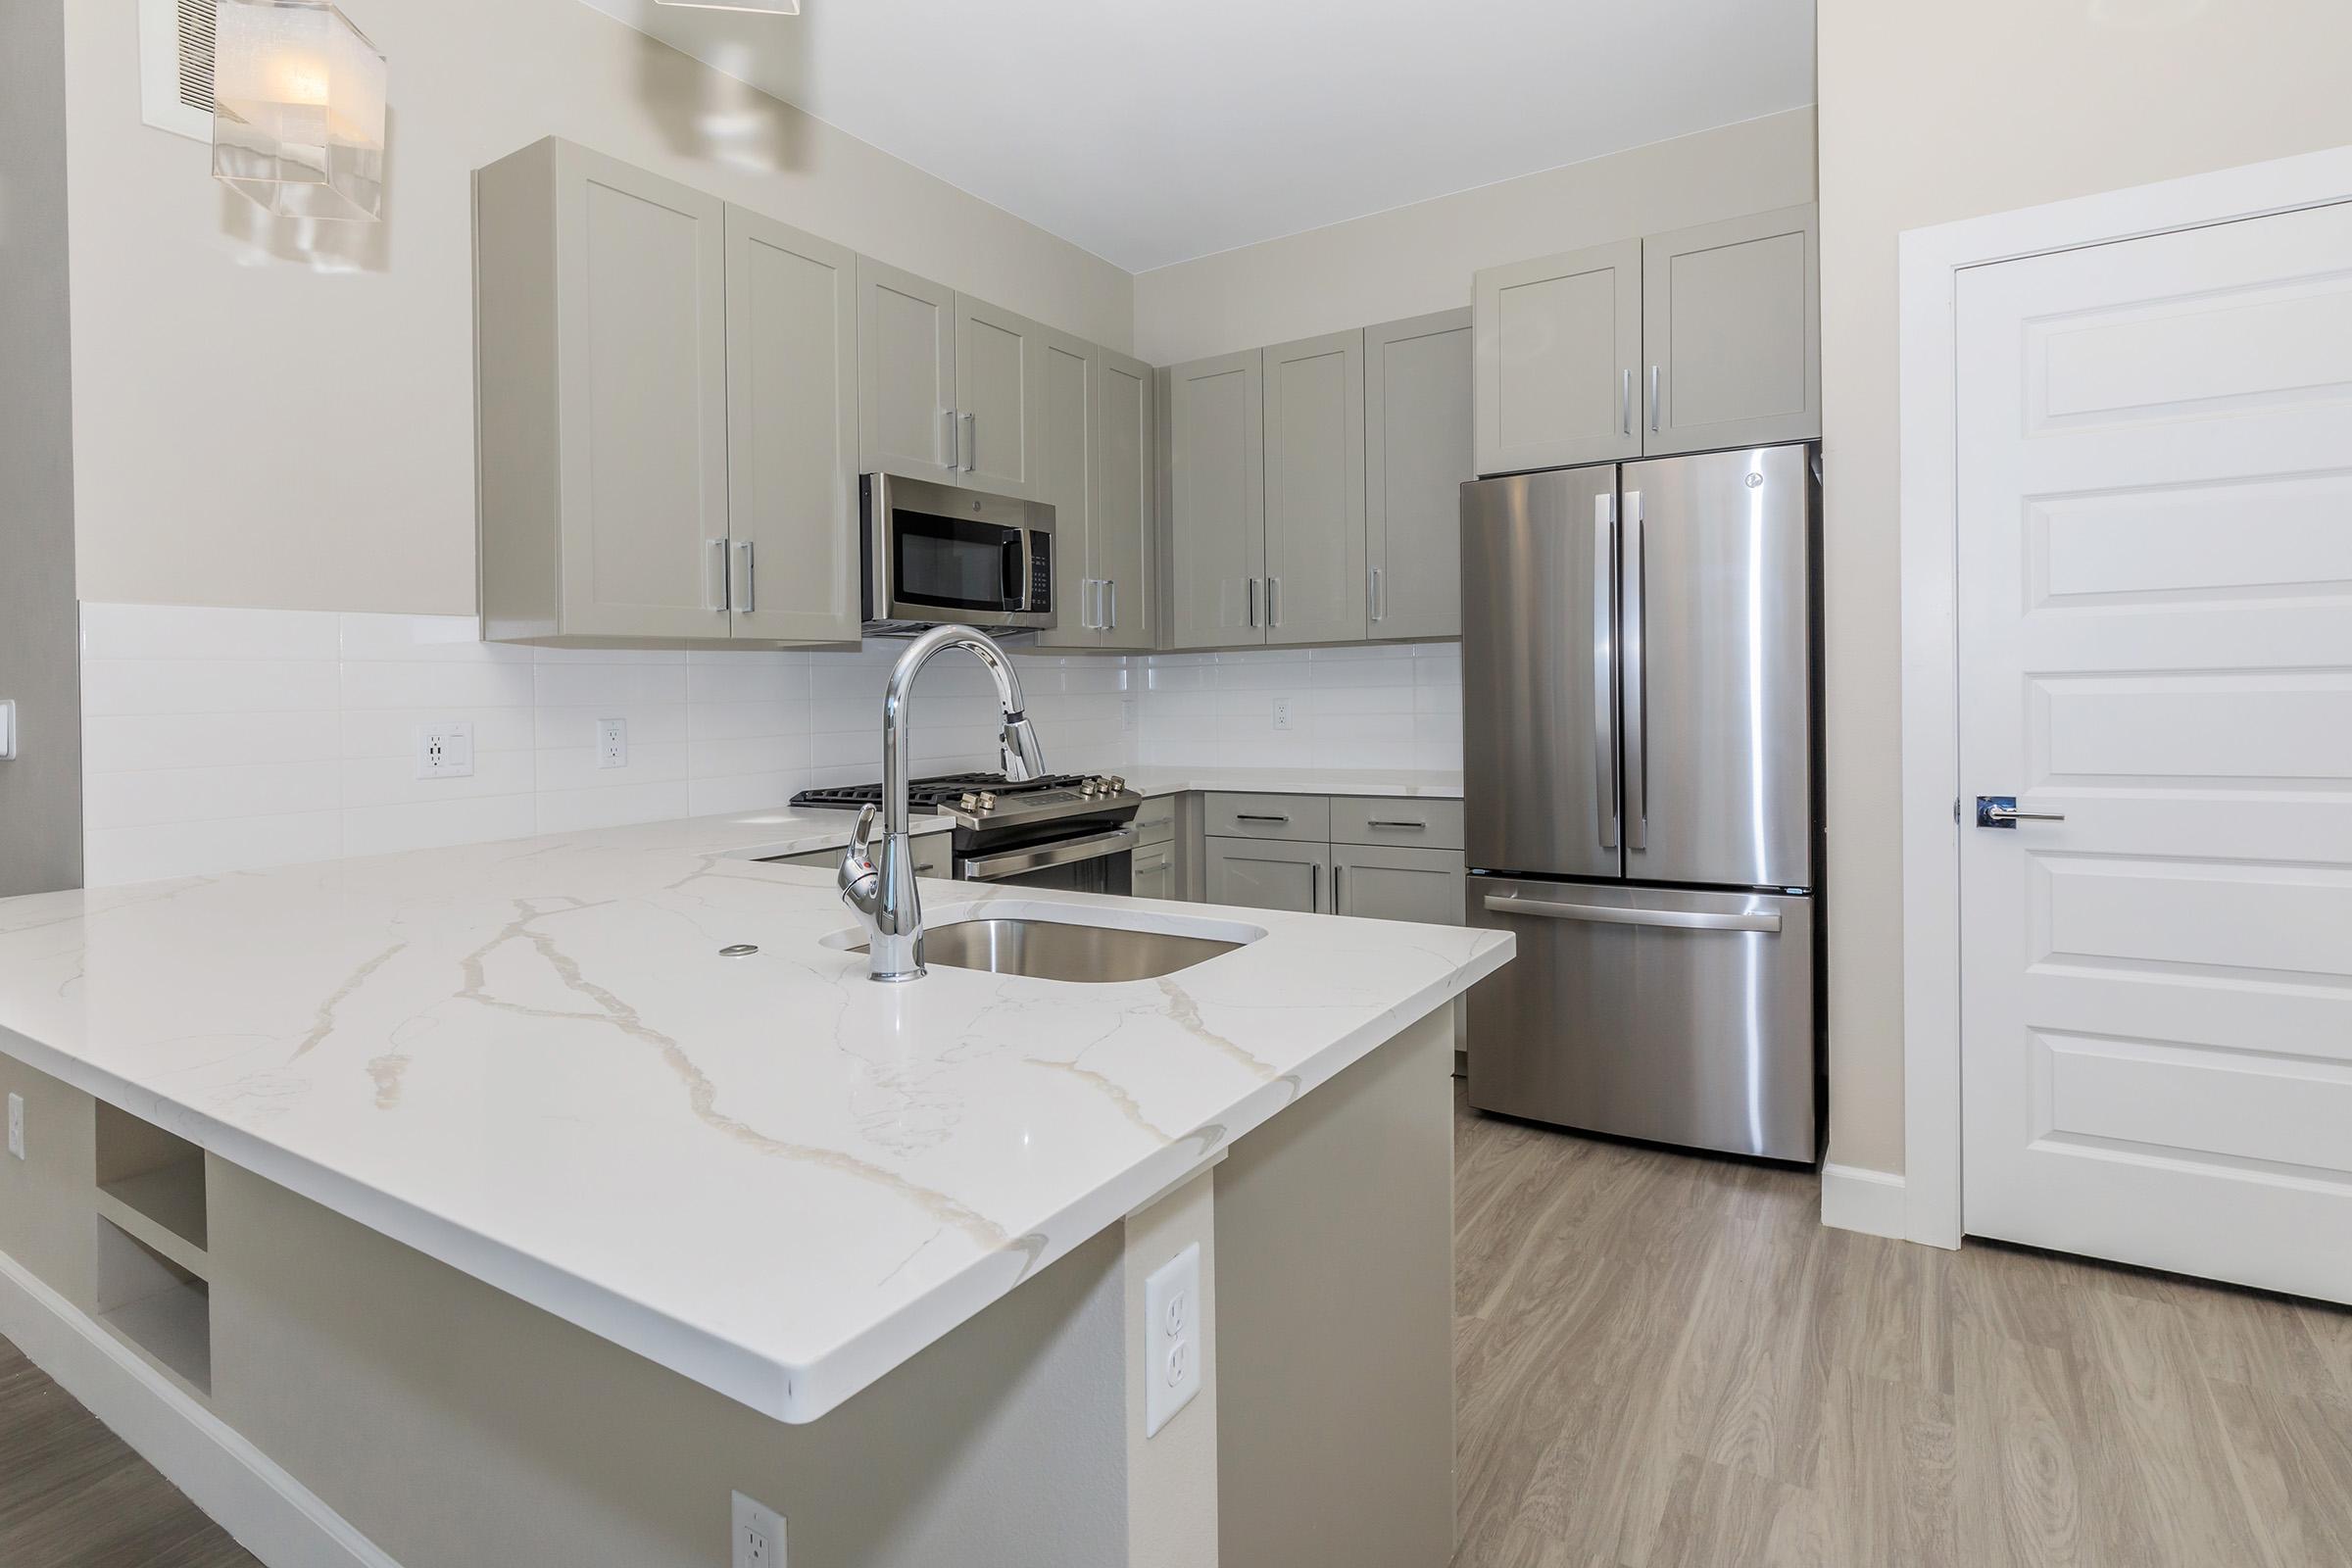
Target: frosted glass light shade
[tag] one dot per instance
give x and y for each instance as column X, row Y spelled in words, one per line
column 298, row 116
column 773, row 8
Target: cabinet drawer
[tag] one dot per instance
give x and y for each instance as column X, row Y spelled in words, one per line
column 1154, row 871
column 1302, row 818
column 1422, row 824
column 1266, row 875
column 1155, row 820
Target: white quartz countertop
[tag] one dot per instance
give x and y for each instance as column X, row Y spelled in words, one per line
column 1297, row 781
column 529, row 1060
column 750, row 835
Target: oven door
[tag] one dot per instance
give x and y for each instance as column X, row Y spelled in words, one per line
column 1100, row 863
column 936, row 555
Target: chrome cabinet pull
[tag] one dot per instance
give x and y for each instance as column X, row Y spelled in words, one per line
column 1113, row 585
column 1377, row 604
column 751, row 585
column 2000, row 810
column 1253, row 602
column 1636, row 676
column 1624, row 402
column 1604, row 666
column 1414, row 827
column 1338, row 891
column 971, row 442
column 1246, row 816
column 1314, row 889
column 1273, row 601
column 725, row 590
column 1653, row 397
column 1766, row 923
column 954, row 451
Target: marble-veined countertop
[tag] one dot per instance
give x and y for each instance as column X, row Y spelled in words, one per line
column 529, row 1060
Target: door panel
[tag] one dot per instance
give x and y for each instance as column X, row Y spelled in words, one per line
column 1539, row 679
column 906, row 374
column 1559, row 340
column 1616, row 1018
column 1066, row 457
column 2155, row 603
column 999, row 384
column 641, row 310
column 1217, row 513
column 1416, row 459
column 1717, row 668
column 1314, row 457
column 1732, row 333
column 1267, row 875
column 1377, row 883
column 1119, row 544
column 792, row 412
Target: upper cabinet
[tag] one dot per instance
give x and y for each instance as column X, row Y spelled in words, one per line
column 1731, row 332
column 1417, row 456
column 1000, row 381
column 1314, row 554
column 1215, row 539
column 948, row 385
column 792, row 398
column 1095, row 466
column 602, row 375
column 1560, row 343
column 1706, row 338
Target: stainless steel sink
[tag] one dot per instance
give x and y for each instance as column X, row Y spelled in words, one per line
column 1056, row 950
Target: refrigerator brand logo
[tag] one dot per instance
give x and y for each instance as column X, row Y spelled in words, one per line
column 1754, row 479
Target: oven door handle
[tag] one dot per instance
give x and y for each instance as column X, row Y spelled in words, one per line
column 1069, row 852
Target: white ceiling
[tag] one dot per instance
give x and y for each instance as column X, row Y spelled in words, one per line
column 1150, row 131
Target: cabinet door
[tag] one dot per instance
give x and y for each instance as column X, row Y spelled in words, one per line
column 1264, row 875
column 1416, row 459
column 641, row 335
column 999, row 385
column 1066, row 465
column 1559, row 340
column 1216, row 542
column 1731, row 332
column 792, row 418
column 1155, row 875
column 1314, row 457
column 906, row 374
column 1120, row 536
column 1383, row 884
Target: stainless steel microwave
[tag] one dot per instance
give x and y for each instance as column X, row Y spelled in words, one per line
column 938, row 555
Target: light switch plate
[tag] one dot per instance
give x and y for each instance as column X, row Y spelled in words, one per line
column 445, row 750
column 758, row 1534
column 1171, row 1339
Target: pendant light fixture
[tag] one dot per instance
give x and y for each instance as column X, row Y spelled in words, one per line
column 298, row 108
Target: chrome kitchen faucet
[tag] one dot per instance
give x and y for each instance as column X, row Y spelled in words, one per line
column 885, row 895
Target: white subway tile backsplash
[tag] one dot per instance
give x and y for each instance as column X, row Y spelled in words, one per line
column 224, row 739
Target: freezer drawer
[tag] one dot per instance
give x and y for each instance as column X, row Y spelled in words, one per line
column 1678, row 1016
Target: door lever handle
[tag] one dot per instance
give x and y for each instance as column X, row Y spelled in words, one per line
column 2000, row 810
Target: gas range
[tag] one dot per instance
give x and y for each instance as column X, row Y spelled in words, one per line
column 995, row 816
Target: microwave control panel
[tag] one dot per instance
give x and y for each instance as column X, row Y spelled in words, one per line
column 1041, row 573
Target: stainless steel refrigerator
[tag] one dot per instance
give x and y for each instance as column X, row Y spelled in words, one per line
column 1638, row 696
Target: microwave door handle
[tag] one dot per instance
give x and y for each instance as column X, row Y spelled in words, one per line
column 1016, row 568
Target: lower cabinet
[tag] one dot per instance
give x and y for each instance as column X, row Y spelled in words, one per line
column 1155, row 872
column 1379, row 883
column 1270, row 874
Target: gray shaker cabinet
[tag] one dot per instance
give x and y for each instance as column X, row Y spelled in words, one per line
column 1215, row 541
column 792, row 412
column 1269, row 874
column 906, row 341
column 1416, row 458
column 1377, row 883
column 1557, row 356
column 1314, row 478
column 1121, row 519
column 1066, row 478
column 999, row 385
column 1732, row 333
column 602, row 396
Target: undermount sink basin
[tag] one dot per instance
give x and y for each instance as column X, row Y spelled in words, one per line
column 1061, row 950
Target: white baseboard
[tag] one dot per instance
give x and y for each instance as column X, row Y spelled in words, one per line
column 1855, row 1199
column 271, row 1515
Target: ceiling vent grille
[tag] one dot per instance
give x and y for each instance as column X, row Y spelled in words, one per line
column 176, row 66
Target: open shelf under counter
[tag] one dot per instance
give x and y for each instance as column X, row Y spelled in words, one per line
column 151, row 1184
column 152, row 1301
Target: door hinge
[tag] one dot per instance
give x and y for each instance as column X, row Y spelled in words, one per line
column 1955, row 810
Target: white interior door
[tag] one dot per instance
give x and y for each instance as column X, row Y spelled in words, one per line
column 2155, row 603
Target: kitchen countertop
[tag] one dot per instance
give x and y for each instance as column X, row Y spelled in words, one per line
column 751, row 835
column 528, row 1060
column 1297, row 781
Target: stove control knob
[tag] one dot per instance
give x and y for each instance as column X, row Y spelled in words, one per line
column 988, row 802
column 970, row 803
column 1114, row 784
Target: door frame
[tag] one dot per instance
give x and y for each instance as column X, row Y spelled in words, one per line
column 1929, row 265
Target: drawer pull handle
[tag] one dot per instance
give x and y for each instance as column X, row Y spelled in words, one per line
column 1417, row 827
column 1250, row 816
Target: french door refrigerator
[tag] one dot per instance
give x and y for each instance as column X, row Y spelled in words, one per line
column 1638, row 726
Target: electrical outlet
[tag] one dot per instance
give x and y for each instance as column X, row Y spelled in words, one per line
column 611, row 743
column 445, row 751
column 16, row 1125
column 758, row 1534
column 1171, row 1339
column 1282, row 712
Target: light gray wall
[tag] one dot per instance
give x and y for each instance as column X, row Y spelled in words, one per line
column 40, row 792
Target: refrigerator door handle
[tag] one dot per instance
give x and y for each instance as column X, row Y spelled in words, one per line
column 1767, row 922
column 1637, row 679
column 1604, row 667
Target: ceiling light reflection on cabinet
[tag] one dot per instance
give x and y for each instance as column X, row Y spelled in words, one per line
column 298, row 108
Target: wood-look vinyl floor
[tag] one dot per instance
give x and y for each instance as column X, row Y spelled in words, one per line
column 1666, row 1361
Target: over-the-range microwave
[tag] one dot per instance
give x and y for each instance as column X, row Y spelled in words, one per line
column 938, row 555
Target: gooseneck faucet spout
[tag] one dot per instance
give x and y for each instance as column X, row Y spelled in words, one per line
column 883, row 892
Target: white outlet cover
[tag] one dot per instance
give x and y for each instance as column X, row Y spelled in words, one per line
column 1282, row 712
column 611, row 743
column 1171, row 1339
column 445, row 750
column 758, row 1534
